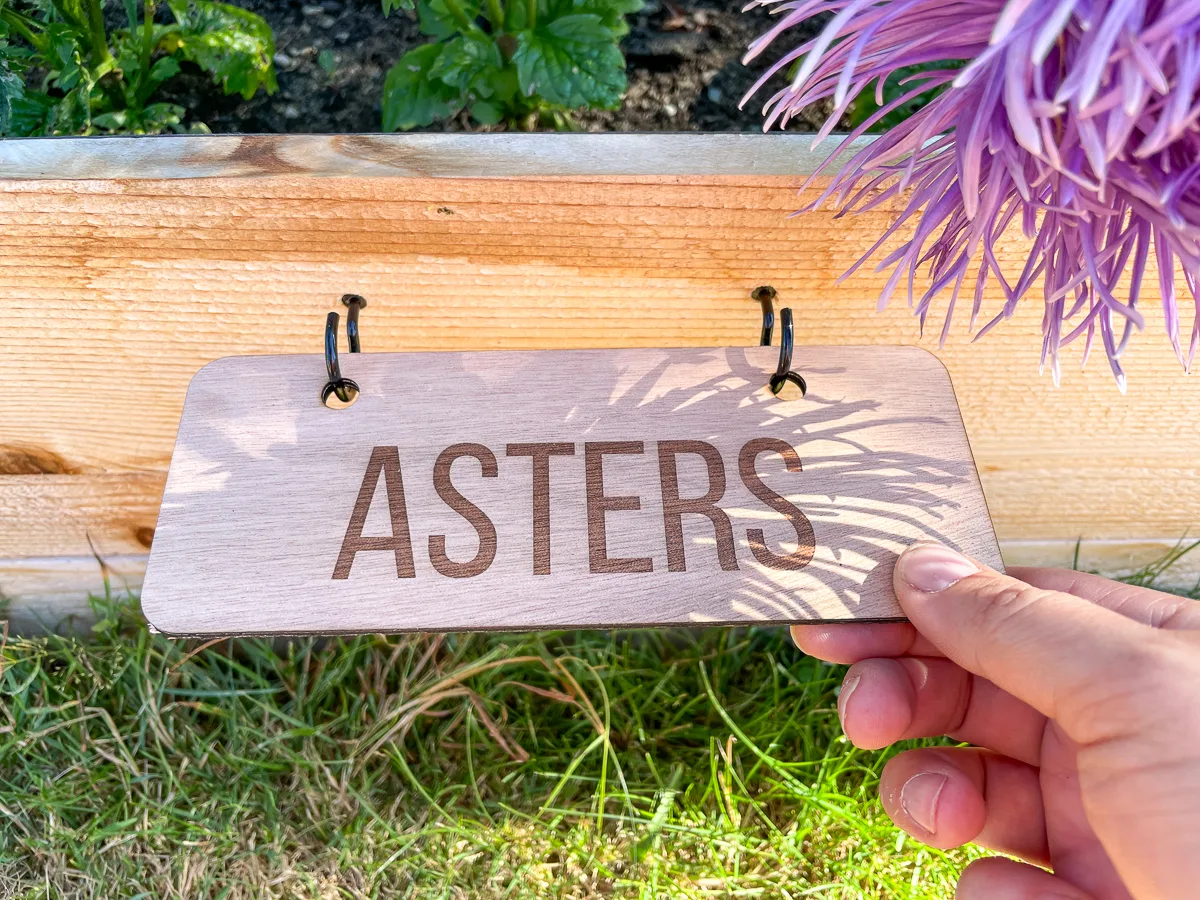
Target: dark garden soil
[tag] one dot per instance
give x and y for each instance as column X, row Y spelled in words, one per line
column 683, row 61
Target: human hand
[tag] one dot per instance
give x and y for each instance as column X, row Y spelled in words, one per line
column 1081, row 697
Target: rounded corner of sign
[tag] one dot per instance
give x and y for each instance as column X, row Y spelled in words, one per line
column 151, row 613
column 928, row 358
column 155, row 615
column 213, row 367
column 923, row 352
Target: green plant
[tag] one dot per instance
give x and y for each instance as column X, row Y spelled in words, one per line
column 526, row 62
column 63, row 72
column 895, row 86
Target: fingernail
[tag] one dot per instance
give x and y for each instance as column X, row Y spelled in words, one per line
column 848, row 687
column 919, row 799
column 919, row 670
column 930, row 568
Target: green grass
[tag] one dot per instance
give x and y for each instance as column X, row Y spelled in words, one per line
column 630, row 764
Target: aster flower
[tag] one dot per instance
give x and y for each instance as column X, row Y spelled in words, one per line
column 1074, row 120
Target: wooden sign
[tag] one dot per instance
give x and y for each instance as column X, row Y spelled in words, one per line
column 589, row 488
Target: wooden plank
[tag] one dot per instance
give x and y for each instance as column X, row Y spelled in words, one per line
column 681, row 491
column 1117, row 559
column 413, row 155
column 118, row 290
column 52, row 594
column 56, row 594
column 75, row 515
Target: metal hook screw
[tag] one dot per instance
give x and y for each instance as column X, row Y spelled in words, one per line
column 344, row 389
column 353, row 303
column 766, row 296
column 783, row 373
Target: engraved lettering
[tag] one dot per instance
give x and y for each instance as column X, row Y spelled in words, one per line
column 805, row 540
column 674, row 507
column 385, row 461
column 465, row 508
column 598, row 504
column 540, row 454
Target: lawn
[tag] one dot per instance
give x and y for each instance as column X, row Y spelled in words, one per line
column 566, row 764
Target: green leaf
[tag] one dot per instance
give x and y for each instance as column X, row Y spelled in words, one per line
column 486, row 113
column 72, row 114
column 161, row 116
column 63, row 44
column 154, row 119
column 612, row 13
column 615, row 7
column 468, row 59
column 412, row 97
column 12, row 89
column 516, row 16
column 572, row 61
column 390, row 5
column 864, row 105
column 112, row 120
column 30, row 113
column 71, row 75
column 233, row 45
column 436, row 20
column 131, row 13
column 164, row 67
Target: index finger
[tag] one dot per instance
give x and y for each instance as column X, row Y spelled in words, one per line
column 851, row 642
column 848, row 643
column 1142, row 604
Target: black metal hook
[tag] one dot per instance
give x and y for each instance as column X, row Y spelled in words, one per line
column 766, row 296
column 344, row 388
column 783, row 373
column 353, row 303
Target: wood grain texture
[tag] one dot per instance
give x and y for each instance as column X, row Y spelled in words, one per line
column 414, row 155
column 673, row 489
column 75, row 515
column 178, row 251
column 54, row 594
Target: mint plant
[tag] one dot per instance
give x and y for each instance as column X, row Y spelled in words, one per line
column 62, row 72
column 525, row 62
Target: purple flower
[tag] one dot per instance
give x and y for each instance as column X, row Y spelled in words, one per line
column 1075, row 118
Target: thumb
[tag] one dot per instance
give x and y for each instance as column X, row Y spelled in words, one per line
column 1068, row 658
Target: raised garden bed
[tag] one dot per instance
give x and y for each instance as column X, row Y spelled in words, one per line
column 128, row 263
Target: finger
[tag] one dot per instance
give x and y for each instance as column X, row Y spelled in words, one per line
column 1027, row 641
column 950, row 796
column 887, row 700
column 996, row 878
column 1145, row 605
column 1079, row 855
column 845, row 643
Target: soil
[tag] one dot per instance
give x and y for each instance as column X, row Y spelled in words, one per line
column 683, row 61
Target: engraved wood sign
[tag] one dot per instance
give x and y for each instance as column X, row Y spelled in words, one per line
column 587, row 488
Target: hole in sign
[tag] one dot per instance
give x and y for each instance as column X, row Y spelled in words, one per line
column 349, row 393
